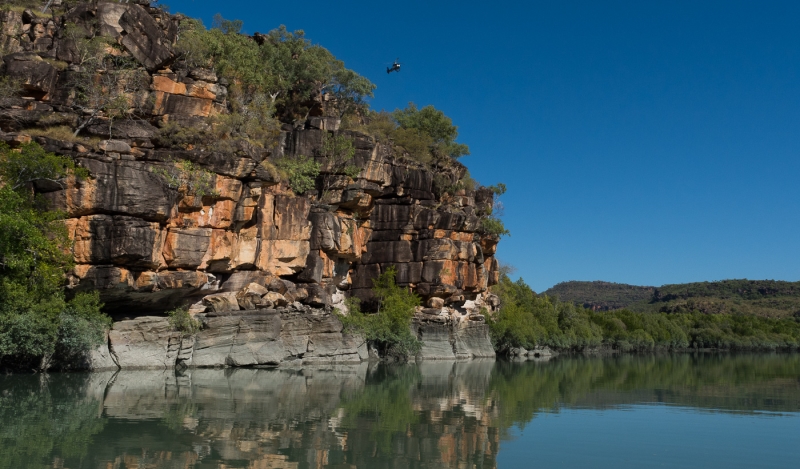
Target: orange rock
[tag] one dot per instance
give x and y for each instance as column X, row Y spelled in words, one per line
column 220, row 251
column 461, row 236
column 200, row 90
column 282, row 257
column 228, row 188
column 328, row 265
column 104, row 277
column 186, row 248
column 246, row 249
column 146, row 281
column 283, row 217
column 167, row 104
column 220, row 215
column 165, row 85
column 449, row 272
column 489, row 245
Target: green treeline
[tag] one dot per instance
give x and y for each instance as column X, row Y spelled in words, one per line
column 768, row 298
column 526, row 319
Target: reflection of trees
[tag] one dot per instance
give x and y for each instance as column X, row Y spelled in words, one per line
column 736, row 383
column 432, row 414
column 419, row 416
column 46, row 419
column 384, row 406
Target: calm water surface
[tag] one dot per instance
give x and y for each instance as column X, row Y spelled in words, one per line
column 682, row 411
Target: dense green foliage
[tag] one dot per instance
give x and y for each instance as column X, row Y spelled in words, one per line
column 301, row 173
column 427, row 134
column 390, row 328
column 494, row 226
column 768, row 298
column 527, row 320
column 182, row 321
column 280, row 70
column 35, row 319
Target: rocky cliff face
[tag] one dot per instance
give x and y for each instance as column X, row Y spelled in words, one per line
column 260, row 265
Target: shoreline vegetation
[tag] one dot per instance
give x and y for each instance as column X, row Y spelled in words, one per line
column 528, row 320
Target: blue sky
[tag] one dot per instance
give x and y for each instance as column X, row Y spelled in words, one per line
column 641, row 142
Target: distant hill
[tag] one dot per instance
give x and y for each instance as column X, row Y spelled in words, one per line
column 600, row 296
column 772, row 298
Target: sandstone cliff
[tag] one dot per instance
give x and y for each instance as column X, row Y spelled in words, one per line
column 261, row 266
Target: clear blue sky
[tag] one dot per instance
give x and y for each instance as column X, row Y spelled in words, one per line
column 641, row 142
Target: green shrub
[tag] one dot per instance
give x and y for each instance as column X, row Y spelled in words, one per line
column 494, row 226
column 182, row 321
column 390, row 328
column 434, row 124
column 416, row 143
column 301, row 172
column 82, row 327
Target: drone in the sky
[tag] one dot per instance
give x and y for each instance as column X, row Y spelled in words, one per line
column 394, row 68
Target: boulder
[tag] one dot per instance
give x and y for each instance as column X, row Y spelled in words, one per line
column 221, row 302
column 37, row 76
column 116, row 146
column 144, row 39
column 248, row 300
column 276, row 299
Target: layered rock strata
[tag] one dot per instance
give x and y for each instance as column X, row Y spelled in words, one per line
column 256, row 262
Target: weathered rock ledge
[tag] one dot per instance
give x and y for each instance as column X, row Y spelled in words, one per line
column 293, row 336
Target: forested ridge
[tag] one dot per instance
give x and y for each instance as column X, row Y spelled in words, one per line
column 528, row 320
column 767, row 298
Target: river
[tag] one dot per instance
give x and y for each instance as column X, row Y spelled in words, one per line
column 682, row 410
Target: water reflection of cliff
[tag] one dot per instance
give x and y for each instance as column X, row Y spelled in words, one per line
column 417, row 416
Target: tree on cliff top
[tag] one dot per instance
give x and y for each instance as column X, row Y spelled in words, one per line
column 283, row 65
column 434, row 124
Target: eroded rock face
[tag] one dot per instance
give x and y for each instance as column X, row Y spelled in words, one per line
column 263, row 337
column 452, row 335
column 148, row 242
